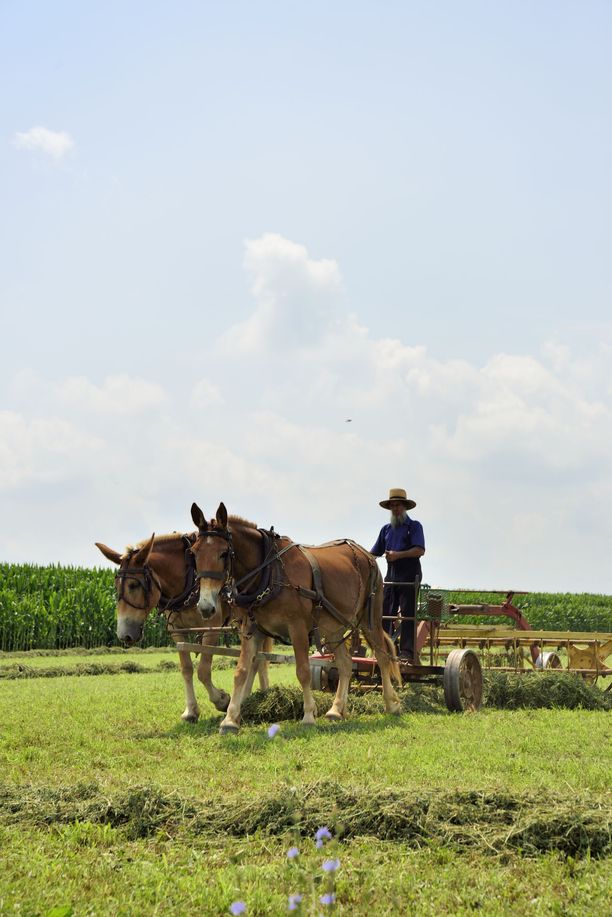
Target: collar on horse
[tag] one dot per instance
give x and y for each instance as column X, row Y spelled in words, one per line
column 265, row 591
column 189, row 596
column 230, row 589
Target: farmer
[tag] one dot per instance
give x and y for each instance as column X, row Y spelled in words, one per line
column 403, row 544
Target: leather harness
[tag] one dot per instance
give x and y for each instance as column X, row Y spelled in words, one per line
column 166, row 604
column 270, row 586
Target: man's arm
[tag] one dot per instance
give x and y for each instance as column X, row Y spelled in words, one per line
column 392, row 556
column 379, row 548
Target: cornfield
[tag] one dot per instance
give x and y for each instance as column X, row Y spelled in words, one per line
column 547, row 610
column 57, row 607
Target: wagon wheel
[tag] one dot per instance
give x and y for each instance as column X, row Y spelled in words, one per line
column 462, row 680
column 323, row 677
column 316, row 679
column 551, row 661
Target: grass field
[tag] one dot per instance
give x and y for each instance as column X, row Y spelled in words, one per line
column 110, row 805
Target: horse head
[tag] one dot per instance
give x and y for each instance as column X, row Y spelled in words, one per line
column 213, row 554
column 138, row 589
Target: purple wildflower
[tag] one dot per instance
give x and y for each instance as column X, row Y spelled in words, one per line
column 292, row 853
column 323, row 834
column 294, row 902
column 237, row 907
column 331, row 865
column 329, row 898
column 272, row 730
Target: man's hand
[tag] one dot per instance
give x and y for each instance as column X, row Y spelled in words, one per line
column 392, row 556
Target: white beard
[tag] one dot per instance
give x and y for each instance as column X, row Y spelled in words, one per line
column 398, row 520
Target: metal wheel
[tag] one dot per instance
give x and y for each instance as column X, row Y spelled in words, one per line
column 551, row 661
column 316, row 681
column 462, row 681
column 323, row 677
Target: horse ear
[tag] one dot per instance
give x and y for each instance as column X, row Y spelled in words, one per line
column 114, row 556
column 198, row 517
column 142, row 556
column 222, row 515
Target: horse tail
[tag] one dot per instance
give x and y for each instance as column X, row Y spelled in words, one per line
column 393, row 663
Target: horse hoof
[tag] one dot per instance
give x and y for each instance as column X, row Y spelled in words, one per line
column 223, row 703
column 334, row 717
column 228, row 729
column 190, row 718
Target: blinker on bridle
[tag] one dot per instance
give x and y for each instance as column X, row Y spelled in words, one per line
column 150, row 580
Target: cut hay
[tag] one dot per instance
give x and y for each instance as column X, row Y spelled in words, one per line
column 560, row 690
column 501, row 691
column 485, row 822
column 18, row 670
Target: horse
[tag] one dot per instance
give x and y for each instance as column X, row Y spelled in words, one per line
column 159, row 572
column 330, row 591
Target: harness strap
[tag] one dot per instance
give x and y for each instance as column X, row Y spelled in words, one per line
column 189, row 595
column 372, row 583
column 317, row 595
column 263, row 592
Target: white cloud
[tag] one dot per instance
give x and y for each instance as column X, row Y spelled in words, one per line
column 297, row 297
column 41, row 451
column 206, row 394
column 119, row 394
column 40, row 139
column 508, row 461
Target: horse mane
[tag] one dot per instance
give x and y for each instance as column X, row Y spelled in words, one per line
column 239, row 521
column 159, row 541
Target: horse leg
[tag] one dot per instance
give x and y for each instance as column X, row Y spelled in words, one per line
column 245, row 667
column 256, row 667
column 191, row 712
column 338, row 709
column 218, row 698
column 384, row 651
column 301, row 645
column 263, row 666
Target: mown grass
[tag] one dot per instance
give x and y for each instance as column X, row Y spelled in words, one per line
column 113, row 734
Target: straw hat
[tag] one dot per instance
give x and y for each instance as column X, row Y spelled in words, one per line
column 397, row 493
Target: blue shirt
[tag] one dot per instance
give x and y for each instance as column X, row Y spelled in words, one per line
column 400, row 538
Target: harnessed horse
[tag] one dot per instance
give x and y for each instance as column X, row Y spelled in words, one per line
column 160, row 573
column 292, row 593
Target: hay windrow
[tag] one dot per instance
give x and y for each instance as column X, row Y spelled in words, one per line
column 502, row 691
column 485, row 822
column 559, row 690
column 20, row 671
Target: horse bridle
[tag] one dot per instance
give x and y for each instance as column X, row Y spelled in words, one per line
column 150, row 580
column 228, row 586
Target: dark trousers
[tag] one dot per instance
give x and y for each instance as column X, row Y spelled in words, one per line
column 402, row 600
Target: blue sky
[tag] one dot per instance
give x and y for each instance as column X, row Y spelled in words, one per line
column 248, row 220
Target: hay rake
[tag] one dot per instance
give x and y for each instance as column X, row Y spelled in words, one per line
column 454, row 654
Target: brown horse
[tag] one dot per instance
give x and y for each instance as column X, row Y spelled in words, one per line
column 159, row 572
column 328, row 591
